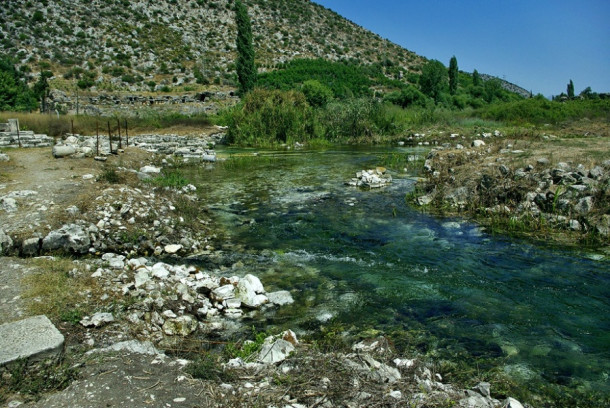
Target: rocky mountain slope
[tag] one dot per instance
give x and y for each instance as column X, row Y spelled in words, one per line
column 121, row 45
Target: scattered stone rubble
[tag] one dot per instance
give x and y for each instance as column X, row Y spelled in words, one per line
column 565, row 196
column 170, row 302
column 178, row 300
column 189, row 148
column 375, row 178
column 369, row 375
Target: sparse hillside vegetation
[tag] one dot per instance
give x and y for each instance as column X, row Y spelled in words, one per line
column 119, row 45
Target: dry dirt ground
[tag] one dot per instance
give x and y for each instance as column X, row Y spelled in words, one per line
column 116, row 379
column 53, row 185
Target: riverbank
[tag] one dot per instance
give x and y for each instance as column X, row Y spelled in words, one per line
column 542, row 186
column 136, row 258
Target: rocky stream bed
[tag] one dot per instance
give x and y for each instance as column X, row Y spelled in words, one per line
column 163, row 294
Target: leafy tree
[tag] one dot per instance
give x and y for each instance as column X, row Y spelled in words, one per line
column 407, row 96
column 587, row 93
column 571, row 90
column 316, row 93
column 453, row 75
column 433, row 80
column 345, row 79
column 41, row 88
column 476, row 78
column 14, row 93
column 246, row 70
column 493, row 90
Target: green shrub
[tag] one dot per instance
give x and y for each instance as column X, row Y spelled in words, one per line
column 345, row 79
column 268, row 117
column 349, row 119
column 171, row 178
column 109, row 175
column 407, row 97
column 540, row 110
column 316, row 93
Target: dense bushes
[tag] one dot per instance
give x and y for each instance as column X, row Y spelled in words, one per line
column 267, row 117
column 344, row 79
column 14, row 93
column 540, row 110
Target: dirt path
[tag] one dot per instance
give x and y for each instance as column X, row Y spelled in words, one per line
column 42, row 188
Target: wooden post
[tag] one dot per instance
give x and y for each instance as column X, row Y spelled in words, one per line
column 18, row 136
column 109, row 137
column 118, row 122
column 72, row 126
column 97, row 138
column 126, row 134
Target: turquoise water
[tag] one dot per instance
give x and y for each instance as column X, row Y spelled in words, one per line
column 365, row 259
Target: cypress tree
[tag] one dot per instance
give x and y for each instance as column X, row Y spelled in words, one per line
column 453, row 75
column 476, row 78
column 571, row 90
column 246, row 71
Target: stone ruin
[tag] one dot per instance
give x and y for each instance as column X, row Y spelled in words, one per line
column 12, row 136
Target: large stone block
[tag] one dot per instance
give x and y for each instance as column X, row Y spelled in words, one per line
column 35, row 338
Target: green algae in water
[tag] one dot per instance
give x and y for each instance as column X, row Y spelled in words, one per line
column 363, row 260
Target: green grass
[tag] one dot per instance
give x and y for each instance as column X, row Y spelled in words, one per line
column 207, row 367
column 247, row 349
column 58, row 289
column 30, row 383
column 170, row 178
column 110, row 175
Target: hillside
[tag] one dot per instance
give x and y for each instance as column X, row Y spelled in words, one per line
column 177, row 45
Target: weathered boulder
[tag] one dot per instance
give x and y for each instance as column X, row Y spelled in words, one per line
column 30, row 247
column 478, row 143
column 584, row 205
column 280, row 298
column 8, row 204
column 275, row 351
column 70, row 237
column 4, row 157
column 245, row 291
column 180, row 326
column 223, row 292
column 512, row 403
column 5, row 242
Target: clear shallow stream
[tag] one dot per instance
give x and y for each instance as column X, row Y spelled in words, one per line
column 365, row 259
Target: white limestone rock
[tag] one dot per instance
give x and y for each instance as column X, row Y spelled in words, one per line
column 180, row 326
column 70, row 237
column 172, row 249
column 280, row 298
column 5, row 242
column 223, row 292
column 246, row 292
column 275, row 351
column 97, row 320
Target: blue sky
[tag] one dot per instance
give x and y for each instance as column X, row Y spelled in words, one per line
column 537, row 44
